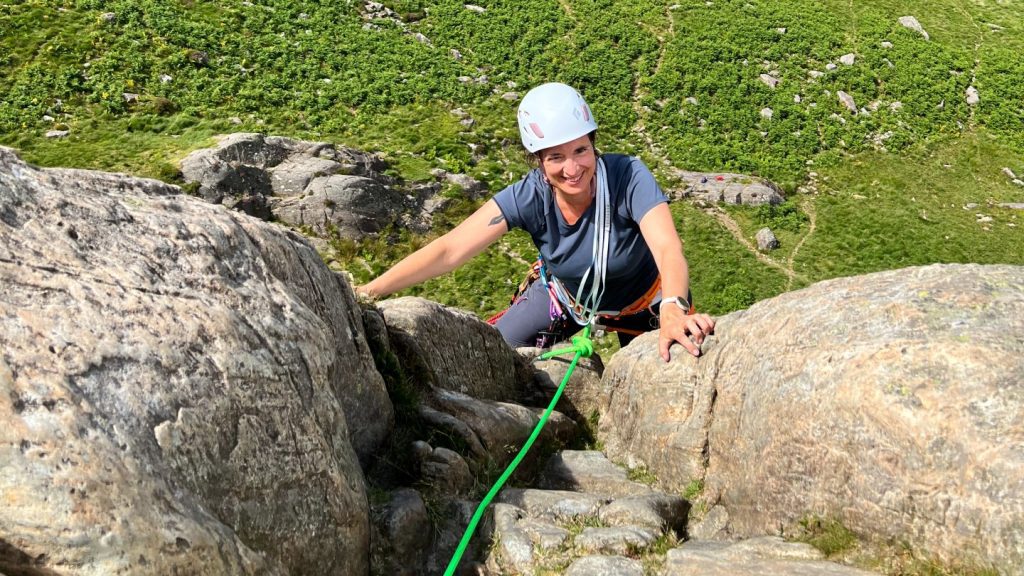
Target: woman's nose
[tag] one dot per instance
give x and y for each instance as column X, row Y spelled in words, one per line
column 571, row 167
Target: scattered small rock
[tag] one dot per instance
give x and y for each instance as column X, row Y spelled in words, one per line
column 108, row 17
column 830, row 66
column 198, row 57
column 56, row 133
column 766, row 240
column 886, row 44
column 913, row 24
column 456, row 54
column 972, row 95
column 691, row 100
column 766, row 113
column 780, row 30
column 848, row 59
column 510, row 96
column 165, row 78
column 769, row 80
column 1009, row 173
column 796, row 98
column 475, row 8
column 421, row 38
column 130, row 97
column 847, row 100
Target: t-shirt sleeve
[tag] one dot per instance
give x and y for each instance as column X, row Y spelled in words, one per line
column 642, row 191
column 518, row 203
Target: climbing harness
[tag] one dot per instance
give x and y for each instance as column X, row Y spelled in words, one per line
column 583, row 348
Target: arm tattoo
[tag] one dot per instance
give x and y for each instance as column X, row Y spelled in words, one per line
column 496, row 220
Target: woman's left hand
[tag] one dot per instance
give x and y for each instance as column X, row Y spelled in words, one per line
column 689, row 330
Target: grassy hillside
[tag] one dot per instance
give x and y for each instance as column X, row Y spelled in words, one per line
column 675, row 82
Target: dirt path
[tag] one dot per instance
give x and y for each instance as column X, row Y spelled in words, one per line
column 807, row 205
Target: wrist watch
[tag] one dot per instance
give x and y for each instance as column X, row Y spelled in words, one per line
column 679, row 301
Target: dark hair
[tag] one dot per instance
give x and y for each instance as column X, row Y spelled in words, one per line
column 533, row 158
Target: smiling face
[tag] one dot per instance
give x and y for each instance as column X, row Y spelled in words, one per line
column 570, row 167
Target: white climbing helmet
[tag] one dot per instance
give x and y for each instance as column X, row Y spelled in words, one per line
column 553, row 114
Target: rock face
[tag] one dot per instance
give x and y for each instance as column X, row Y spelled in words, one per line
column 891, row 402
column 321, row 187
column 453, row 350
column 728, row 188
column 181, row 387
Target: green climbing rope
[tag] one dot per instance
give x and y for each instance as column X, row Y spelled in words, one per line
column 583, row 347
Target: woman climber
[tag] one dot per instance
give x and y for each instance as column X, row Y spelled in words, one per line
column 609, row 250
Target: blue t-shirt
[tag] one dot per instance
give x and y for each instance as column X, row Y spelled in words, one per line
column 568, row 250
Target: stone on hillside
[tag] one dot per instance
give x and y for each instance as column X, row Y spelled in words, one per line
column 848, row 59
column 715, row 187
column 913, row 24
column 767, row 113
column 510, row 96
column 451, row 349
column 1013, row 205
column 588, row 471
column 661, row 512
column 56, row 133
column 754, row 557
column 514, row 545
column 354, row 206
column 972, row 96
column 712, row 526
column 504, row 427
column 545, row 536
column 616, row 540
column 454, row 428
column 847, row 101
column 582, row 394
column 605, row 565
column 181, row 386
column 886, row 44
column 445, row 471
column 474, row 8
column 554, row 504
column 830, row 66
column 769, row 80
column 933, row 354
column 471, row 186
column 403, row 525
column 815, row 73
column 1009, row 173
column 313, row 184
column 766, row 240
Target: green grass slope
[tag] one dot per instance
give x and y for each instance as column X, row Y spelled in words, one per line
column 914, row 177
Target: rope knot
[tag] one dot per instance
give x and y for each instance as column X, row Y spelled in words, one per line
column 583, row 345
